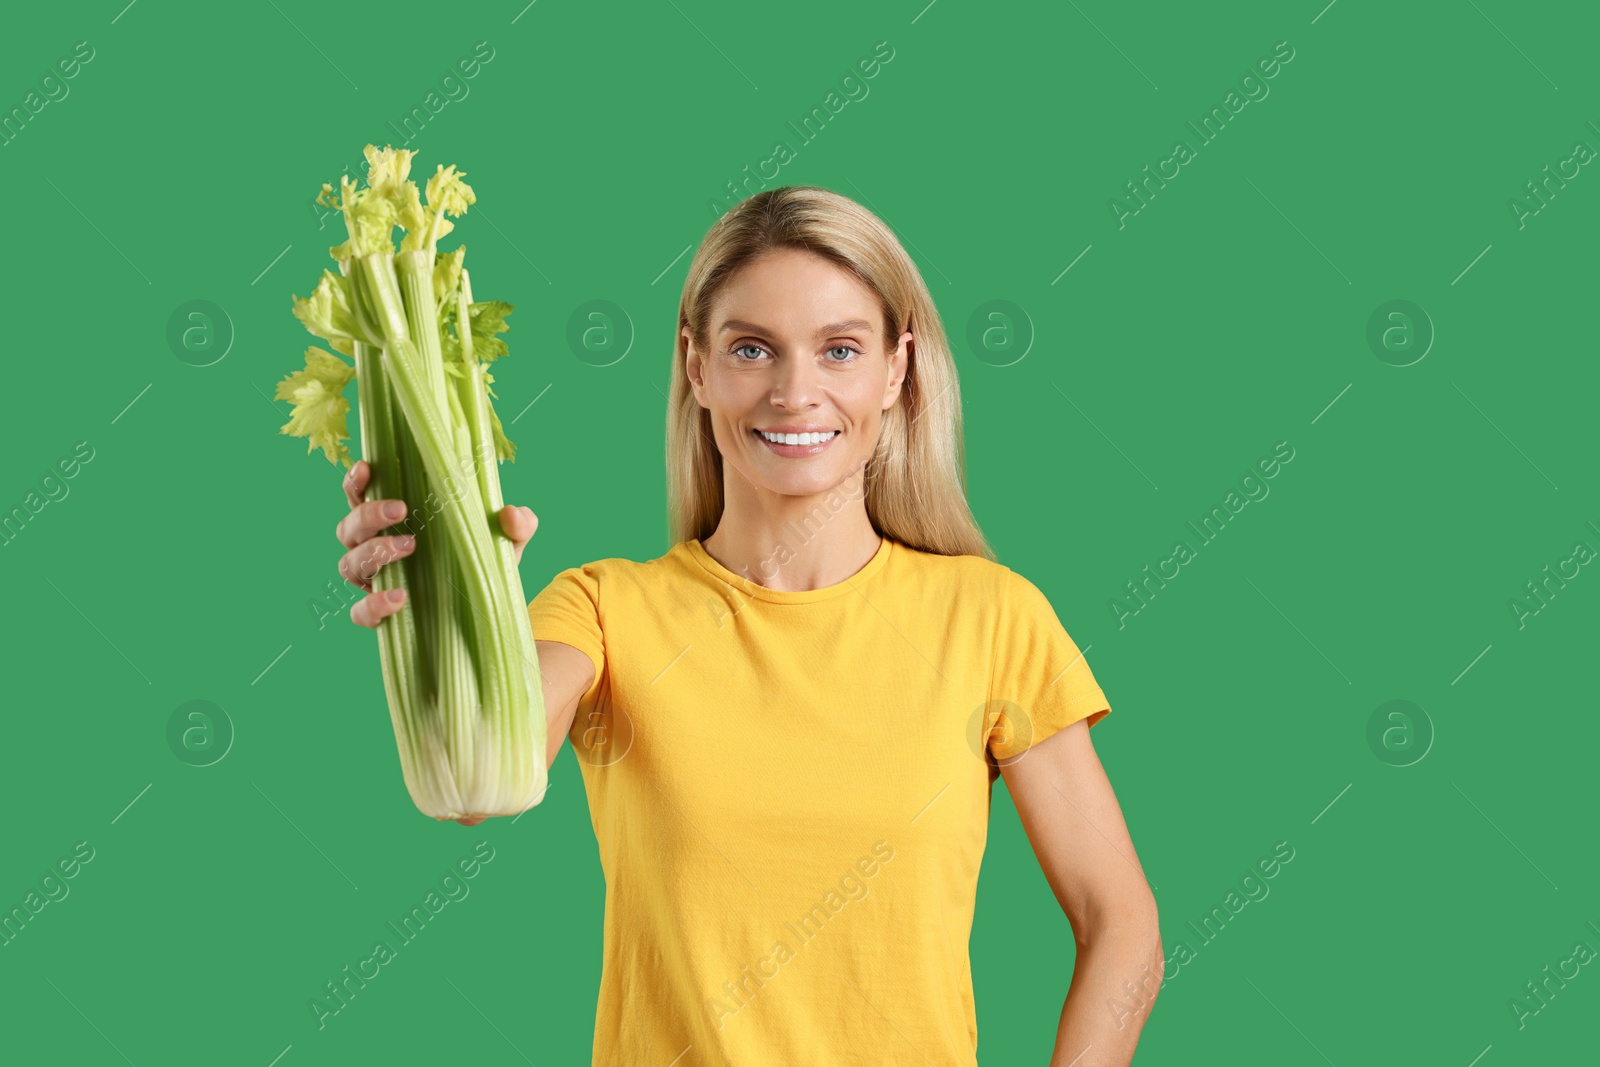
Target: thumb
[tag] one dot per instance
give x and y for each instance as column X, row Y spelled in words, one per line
column 519, row 524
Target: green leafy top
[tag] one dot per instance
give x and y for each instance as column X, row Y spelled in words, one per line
column 387, row 168
column 390, row 199
column 447, row 195
column 327, row 314
column 502, row 444
column 371, row 212
column 319, row 406
column 369, row 216
column 488, row 319
column 447, row 277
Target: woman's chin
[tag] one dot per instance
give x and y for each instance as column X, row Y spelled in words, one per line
column 811, row 483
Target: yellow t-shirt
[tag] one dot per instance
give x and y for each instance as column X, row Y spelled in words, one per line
column 790, row 792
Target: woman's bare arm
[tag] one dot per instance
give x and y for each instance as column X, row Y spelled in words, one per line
column 566, row 673
column 1075, row 825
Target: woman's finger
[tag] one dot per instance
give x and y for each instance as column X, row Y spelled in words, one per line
column 358, row 565
column 355, row 482
column 367, row 520
column 519, row 524
column 375, row 607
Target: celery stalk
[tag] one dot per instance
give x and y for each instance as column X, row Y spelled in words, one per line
column 459, row 663
column 397, row 644
column 454, row 660
column 480, row 419
column 462, row 515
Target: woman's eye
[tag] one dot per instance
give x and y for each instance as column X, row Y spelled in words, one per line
column 850, row 353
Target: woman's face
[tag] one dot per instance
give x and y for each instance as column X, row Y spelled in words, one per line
column 797, row 345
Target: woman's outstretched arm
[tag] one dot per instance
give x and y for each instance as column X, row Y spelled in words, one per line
column 1075, row 825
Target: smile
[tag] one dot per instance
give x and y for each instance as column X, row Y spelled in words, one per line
column 796, row 444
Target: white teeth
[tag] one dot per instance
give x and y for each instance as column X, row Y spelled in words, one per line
column 798, row 438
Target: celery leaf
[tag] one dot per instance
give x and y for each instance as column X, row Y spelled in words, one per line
column 502, row 444
column 413, row 217
column 327, row 314
column 489, row 319
column 447, row 279
column 448, row 194
column 319, row 405
column 387, row 168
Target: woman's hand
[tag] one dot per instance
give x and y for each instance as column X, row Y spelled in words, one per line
column 358, row 532
column 369, row 549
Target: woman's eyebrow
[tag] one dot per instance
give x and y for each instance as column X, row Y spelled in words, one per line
column 742, row 326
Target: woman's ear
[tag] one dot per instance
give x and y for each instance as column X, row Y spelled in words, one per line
column 692, row 366
column 899, row 364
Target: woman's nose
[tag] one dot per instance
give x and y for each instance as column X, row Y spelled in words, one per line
column 795, row 386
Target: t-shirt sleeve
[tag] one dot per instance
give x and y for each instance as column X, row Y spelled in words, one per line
column 1041, row 681
column 568, row 610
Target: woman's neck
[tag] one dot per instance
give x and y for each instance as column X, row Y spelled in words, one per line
column 810, row 543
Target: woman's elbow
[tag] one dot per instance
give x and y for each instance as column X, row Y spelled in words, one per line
column 1130, row 920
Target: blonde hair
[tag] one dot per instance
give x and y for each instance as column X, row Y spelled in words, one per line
column 915, row 483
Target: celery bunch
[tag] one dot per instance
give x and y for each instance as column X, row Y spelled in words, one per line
column 459, row 665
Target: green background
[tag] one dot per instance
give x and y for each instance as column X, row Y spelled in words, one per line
column 1231, row 313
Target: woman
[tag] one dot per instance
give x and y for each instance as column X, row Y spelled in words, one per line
column 790, row 724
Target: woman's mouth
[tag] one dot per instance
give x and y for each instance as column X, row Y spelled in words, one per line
column 797, row 444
